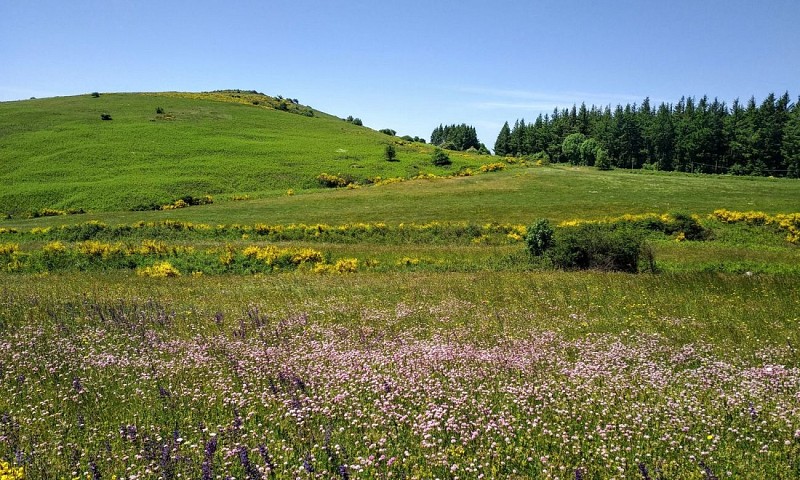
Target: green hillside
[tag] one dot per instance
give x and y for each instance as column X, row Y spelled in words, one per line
column 57, row 153
column 516, row 195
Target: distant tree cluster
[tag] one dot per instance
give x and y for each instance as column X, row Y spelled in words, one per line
column 692, row 135
column 354, row 121
column 388, row 131
column 456, row 137
column 409, row 138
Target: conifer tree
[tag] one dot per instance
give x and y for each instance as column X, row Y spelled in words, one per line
column 502, row 145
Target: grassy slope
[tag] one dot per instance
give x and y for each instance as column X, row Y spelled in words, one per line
column 517, row 195
column 57, row 153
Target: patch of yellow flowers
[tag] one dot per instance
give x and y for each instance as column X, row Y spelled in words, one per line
column 492, row 167
column 8, row 472
column 789, row 222
column 159, row 270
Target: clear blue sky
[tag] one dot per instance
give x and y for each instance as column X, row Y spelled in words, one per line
column 407, row 65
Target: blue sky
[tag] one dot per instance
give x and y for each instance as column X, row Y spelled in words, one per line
column 407, row 65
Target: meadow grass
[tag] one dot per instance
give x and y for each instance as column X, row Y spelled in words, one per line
column 518, row 195
column 423, row 375
column 58, row 153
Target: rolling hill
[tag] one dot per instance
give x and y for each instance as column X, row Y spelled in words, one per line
column 57, row 153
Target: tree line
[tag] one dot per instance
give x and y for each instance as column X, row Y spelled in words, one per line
column 457, row 137
column 704, row 135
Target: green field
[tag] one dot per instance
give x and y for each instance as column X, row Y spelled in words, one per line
column 387, row 331
column 59, row 154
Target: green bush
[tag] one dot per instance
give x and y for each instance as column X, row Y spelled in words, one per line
column 599, row 247
column 439, row 158
column 539, row 238
column 602, row 160
column 686, row 224
column 390, row 153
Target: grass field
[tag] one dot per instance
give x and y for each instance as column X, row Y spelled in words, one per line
column 58, row 153
column 402, row 331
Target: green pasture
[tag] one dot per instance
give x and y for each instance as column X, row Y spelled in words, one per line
column 58, row 153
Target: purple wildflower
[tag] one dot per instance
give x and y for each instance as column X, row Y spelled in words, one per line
column 343, row 472
column 643, row 471
column 250, row 470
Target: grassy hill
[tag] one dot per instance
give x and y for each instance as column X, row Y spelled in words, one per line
column 57, row 153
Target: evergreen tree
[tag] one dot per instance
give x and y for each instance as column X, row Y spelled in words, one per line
column 502, row 146
column 662, row 135
column 791, row 142
column 458, row 137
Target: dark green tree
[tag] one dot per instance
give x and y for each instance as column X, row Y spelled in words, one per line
column 440, row 158
column 502, row 145
column 461, row 137
column 791, row 142
column 390, row 153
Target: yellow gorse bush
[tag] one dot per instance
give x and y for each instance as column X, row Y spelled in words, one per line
column 95, row 248
column 9, row 472
column 54, row 247
column 9, row 248
column 270, row 254
column 492, row 167
column 639, row 217
column 345, row 265
column 159, row 270
column 788, row 222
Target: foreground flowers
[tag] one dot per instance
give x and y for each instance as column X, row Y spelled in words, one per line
column 128, row 390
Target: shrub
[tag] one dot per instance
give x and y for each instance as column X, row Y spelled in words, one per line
column 95, row 94
column 159, row 270
column 493, row 167
column 598, row 247
column 332, row 181
column 602, row 160
column 388, row 131
column 105, row 116
column 683, row 223
column 439, row 158
column 541, row 158
column 389, row 153
column 539, row 238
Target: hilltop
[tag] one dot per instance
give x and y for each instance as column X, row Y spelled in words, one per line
column 159, row 147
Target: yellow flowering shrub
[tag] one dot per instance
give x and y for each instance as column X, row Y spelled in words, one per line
column 159, row 270
column 267, row 254
column 152, row 247
column 307, row 255
column 789, row 222
column 492, row 167
column 332, row 181
column 407, row 261
column 9, row 248
column 99, row 249
column 54, row 247
column 9, row 472
column 345, row 265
